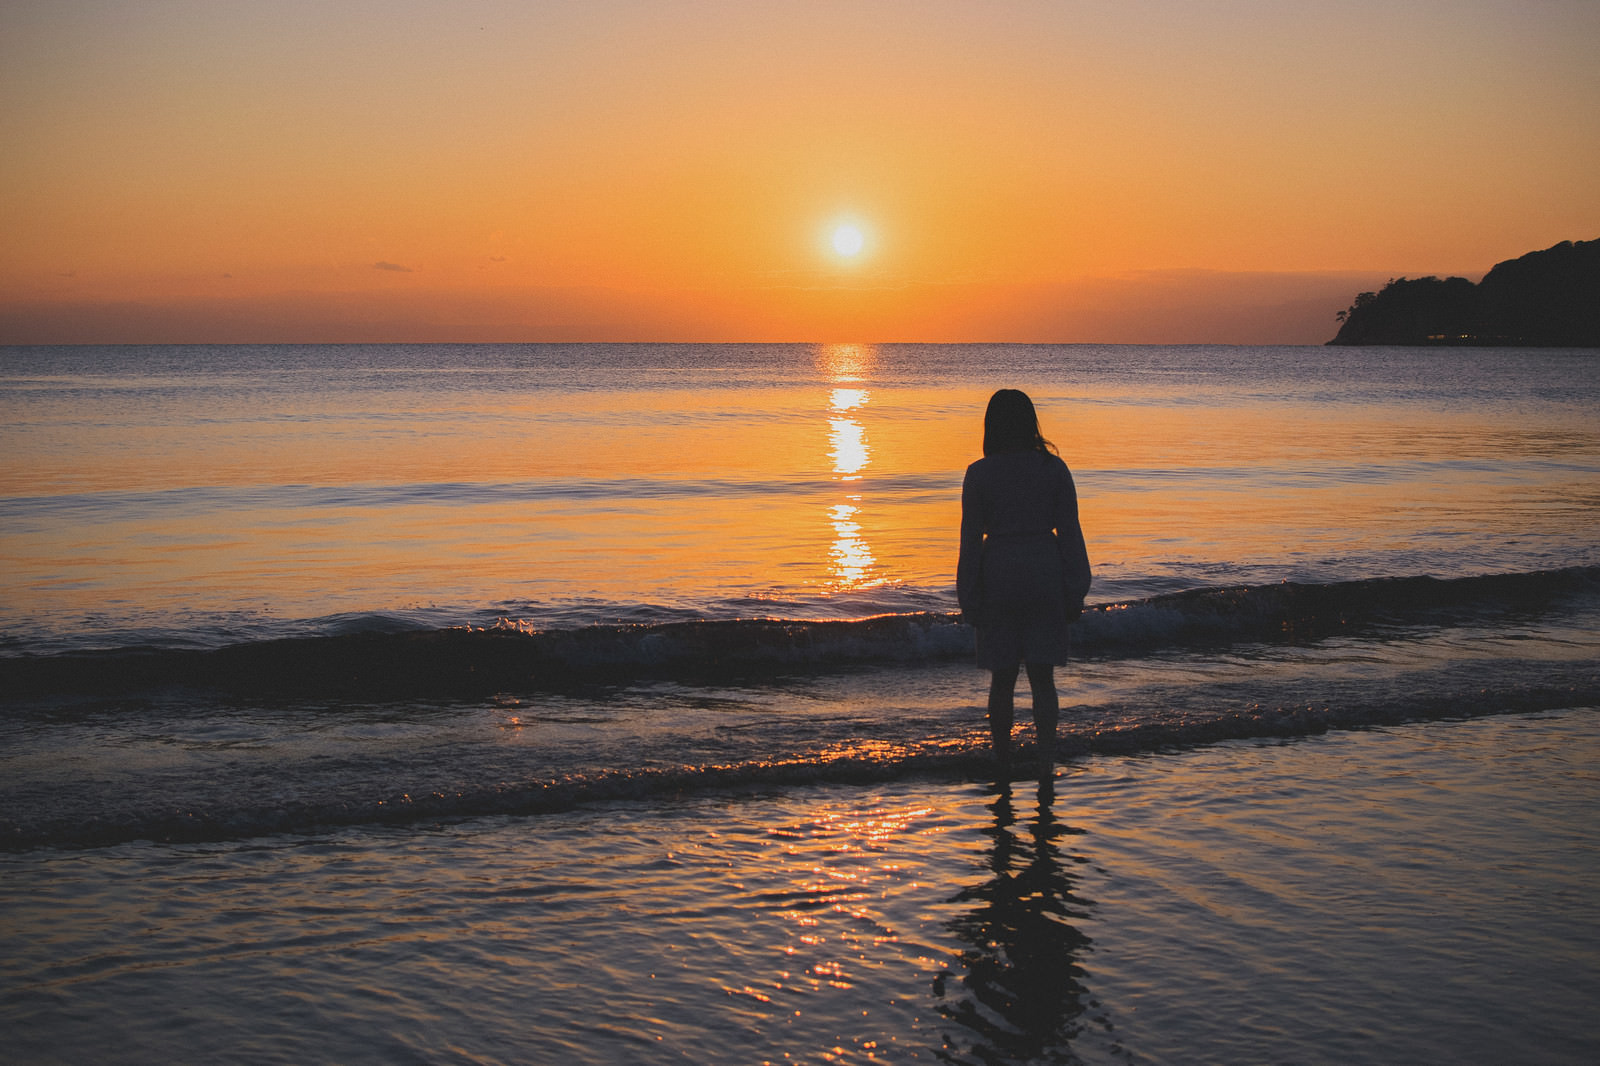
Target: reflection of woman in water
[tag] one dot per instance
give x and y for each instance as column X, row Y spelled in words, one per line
column 1023, row 570
column 1023, row 996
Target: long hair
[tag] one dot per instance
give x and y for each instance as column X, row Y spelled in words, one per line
column 1012, row 425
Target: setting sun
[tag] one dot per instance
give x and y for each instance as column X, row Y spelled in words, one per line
column 848, row 240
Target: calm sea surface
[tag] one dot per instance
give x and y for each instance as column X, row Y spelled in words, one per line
column 606, row 703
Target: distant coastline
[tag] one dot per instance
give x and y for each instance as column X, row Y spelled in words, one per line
column 1547, row 299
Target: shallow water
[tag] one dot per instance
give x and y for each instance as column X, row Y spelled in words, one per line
column 1420, row 893
column 185, row 764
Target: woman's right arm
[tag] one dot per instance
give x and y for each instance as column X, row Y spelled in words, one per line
column 969, row 567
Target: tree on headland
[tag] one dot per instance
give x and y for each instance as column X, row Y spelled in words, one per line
column 1543, row 299
column 1414, row 311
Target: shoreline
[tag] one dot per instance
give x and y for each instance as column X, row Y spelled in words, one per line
column 959, row 757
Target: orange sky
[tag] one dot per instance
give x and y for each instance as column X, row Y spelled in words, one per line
column 1157, row 171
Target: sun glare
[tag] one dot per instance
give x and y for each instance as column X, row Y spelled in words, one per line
column 848, row 240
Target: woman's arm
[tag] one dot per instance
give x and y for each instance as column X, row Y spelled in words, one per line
column 969, row 566
column 1075, row 575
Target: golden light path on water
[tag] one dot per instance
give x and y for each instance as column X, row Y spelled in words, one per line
column 1166, row 908
column 852, row 564
column 838, row 866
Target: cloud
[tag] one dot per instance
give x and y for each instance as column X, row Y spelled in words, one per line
column 381, row 265
column 1156, row 307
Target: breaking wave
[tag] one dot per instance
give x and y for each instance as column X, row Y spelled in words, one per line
column 386, row 662
column 371, row 675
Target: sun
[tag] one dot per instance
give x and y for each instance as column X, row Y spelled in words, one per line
column 848, row 240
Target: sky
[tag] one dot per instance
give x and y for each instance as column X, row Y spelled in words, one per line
column 1135, row 171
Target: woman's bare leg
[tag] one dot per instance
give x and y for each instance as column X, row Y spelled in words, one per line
column 1002, row 686
column 1046, row 709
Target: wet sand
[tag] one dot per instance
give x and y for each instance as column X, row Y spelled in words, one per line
column 1420, row 893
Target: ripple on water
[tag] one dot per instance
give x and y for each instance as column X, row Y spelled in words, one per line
column 1420, row 893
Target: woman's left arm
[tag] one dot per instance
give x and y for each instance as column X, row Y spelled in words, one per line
column 1075, row 575
column 969, row 565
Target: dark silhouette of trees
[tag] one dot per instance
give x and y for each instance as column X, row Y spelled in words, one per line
column 1543, row 299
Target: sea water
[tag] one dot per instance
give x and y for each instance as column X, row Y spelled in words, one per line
column 201, row 495
column 272, row 615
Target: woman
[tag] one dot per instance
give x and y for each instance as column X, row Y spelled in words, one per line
column 1023, row 570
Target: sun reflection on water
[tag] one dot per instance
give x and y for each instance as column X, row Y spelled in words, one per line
column 849, row 452
column 851, row 562
column 849, row 399
column 852, row 559
column 843, row 868
column 846, row 362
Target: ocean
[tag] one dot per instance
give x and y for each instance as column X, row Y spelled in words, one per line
column 601, row 703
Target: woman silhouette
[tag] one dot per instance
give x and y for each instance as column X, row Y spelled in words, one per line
column 1023, row 570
